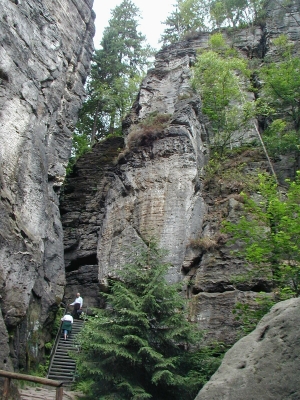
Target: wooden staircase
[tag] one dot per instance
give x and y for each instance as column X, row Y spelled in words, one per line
column 62, row 366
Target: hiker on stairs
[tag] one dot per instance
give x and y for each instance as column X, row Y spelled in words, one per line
column 67, row 321
column 77, row 303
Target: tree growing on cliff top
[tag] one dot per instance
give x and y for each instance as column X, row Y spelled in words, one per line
column 187, row 16
column 220, row 76
column 117, row 70
column 142, row 346
column 191, row 16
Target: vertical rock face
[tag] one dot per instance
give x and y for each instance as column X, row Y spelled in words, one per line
column 45, row 53
column 82, row 209
column 155, row 189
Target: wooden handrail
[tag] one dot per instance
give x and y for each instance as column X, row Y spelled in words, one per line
column 37, row 379
column 53, row 350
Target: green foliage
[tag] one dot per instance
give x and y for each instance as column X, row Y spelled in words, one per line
column 219, row 76
column 248, row 316
column 188, row 15
column 141, row 345
column 235, row 13
column 280, row 140
column 117, row 70
column 57, row 321
column 281, row 88
column 81, row 144
column 227, row 174
column 204, row 15
column 270, row 235
column 278, row 101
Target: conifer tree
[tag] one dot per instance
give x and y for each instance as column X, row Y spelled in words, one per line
column 140, row 345
column 116, row 72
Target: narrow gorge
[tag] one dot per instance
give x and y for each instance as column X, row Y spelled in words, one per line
column 62, row 235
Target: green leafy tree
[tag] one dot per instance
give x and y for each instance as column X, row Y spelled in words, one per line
column 219, row 76
column 117, row 70
column 141, row 345
column 187, row 16
column 281, row 86
column 270, row 235
column 235, row 13
column 277, row 104
column 190, row 16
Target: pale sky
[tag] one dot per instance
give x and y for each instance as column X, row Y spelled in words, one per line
column 153, row 13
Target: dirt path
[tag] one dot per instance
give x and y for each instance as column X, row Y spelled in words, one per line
column 46, row 393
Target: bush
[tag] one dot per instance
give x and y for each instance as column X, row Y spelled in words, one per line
column 148, row 130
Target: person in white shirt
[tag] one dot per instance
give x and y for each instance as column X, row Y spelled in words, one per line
column 77, row 303
column 67, row 321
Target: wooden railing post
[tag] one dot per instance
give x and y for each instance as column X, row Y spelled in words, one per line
column 44, row 381
column 6, row 387
column 59, row 393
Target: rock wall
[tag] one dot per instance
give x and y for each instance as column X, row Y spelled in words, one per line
column 82, row 210
column 45, row 53
column 155, row 188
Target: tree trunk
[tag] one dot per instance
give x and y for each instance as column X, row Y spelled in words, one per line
column 94, row 130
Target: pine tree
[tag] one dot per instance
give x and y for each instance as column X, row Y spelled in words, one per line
column 140, row 345
column 116, row 72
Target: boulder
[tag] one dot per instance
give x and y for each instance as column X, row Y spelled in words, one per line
column 264, row 365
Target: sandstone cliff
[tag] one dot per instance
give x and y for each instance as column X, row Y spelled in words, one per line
column 45, row 55
column 119, row 193
column 156, row 187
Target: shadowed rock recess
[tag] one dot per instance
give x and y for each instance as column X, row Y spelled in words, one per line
column 45, row 54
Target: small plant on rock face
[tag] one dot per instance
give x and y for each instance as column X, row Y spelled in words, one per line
column 204, row 243
column 228, row 175
column 184, row 96
column 248, row 316
column 207, row 243
column 148, row 130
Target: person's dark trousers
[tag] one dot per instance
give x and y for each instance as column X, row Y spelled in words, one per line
column 76, row 308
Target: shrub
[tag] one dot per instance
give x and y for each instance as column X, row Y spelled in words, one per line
column 207, row 243
column 148, row 130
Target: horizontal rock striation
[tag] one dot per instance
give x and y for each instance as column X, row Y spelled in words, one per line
column 82, row 209
column 156, row 188
column 45, row 53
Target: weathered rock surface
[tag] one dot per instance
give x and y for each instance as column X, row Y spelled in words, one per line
column 45, row 54
column 156, row 189
column 264, row 365
column 82, row 208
